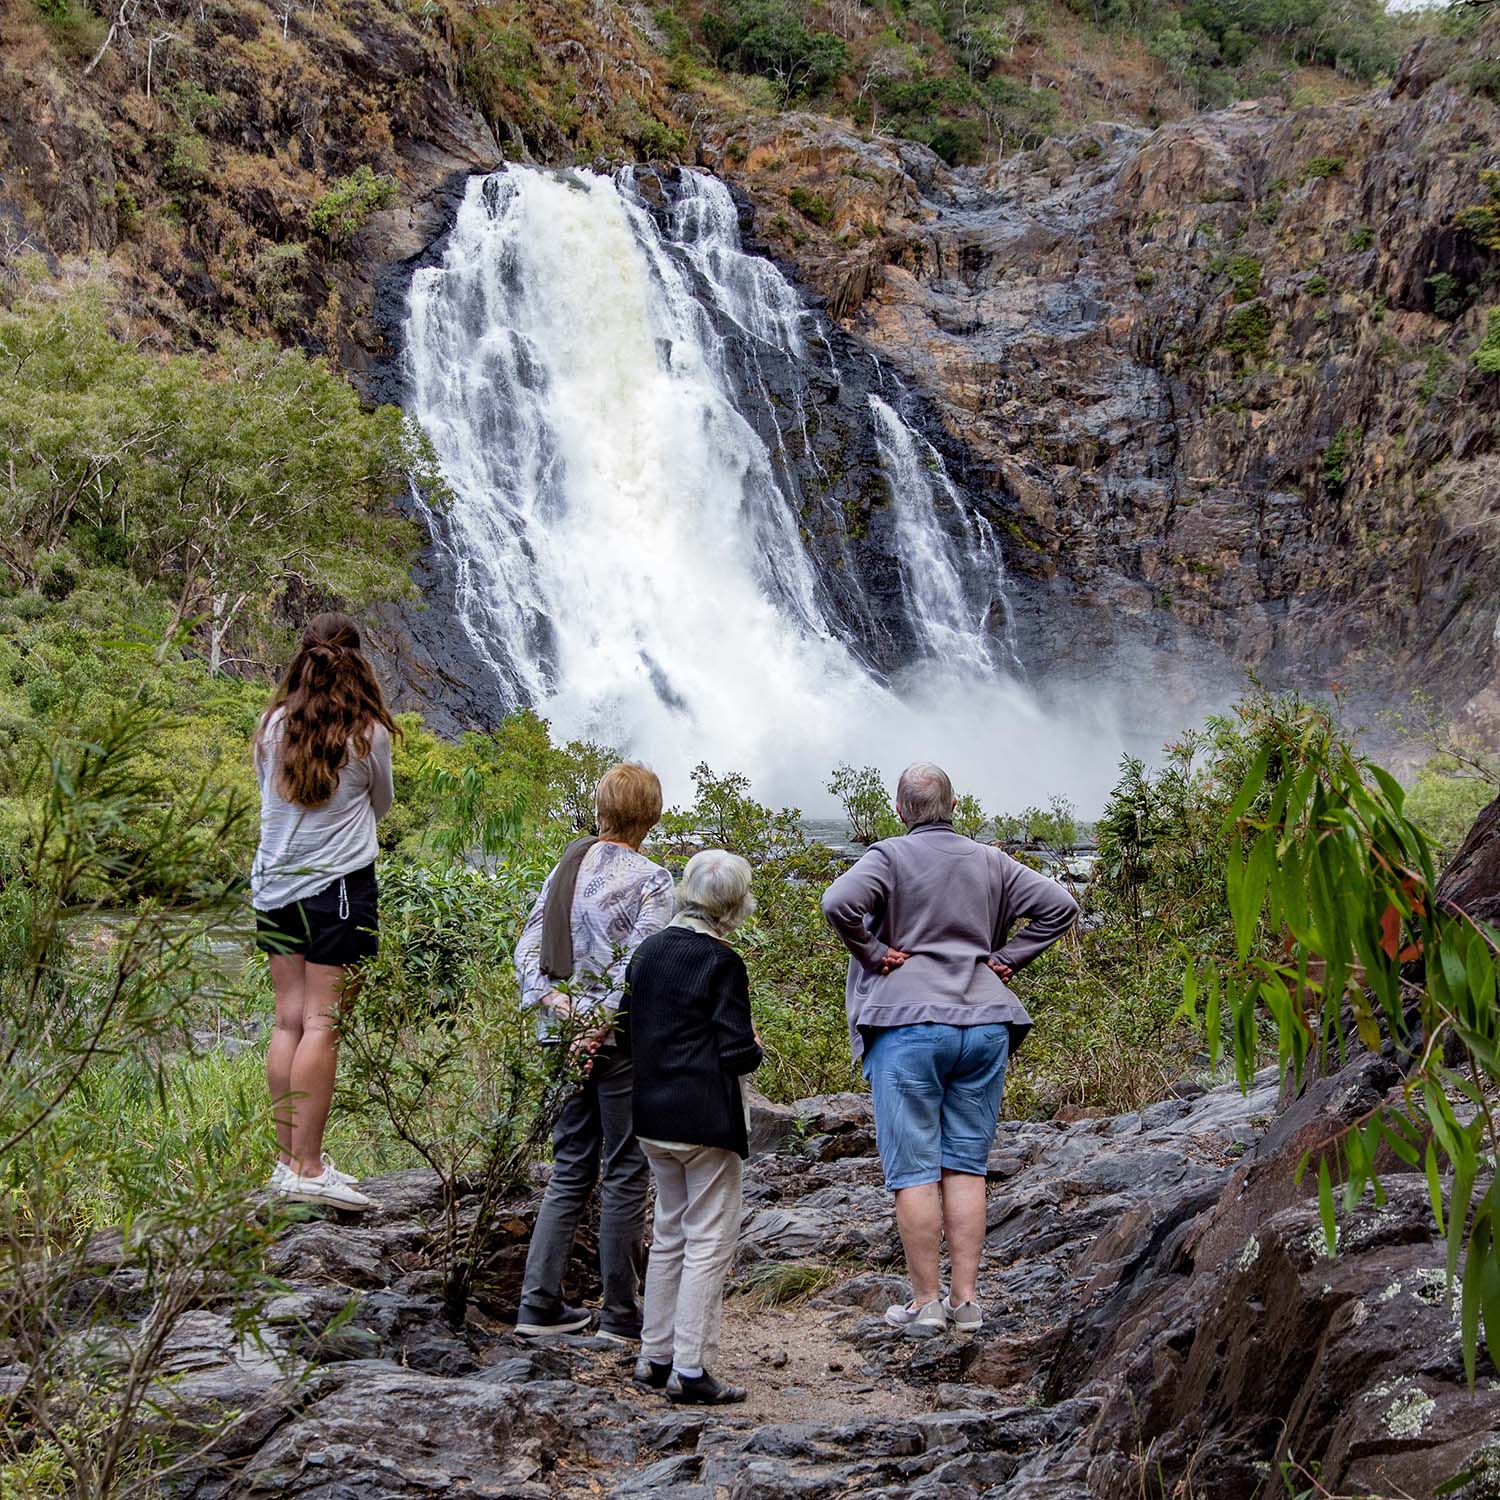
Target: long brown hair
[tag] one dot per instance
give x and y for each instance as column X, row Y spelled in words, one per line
column 331, row 701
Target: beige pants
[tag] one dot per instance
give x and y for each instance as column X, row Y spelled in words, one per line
column 698, row 1208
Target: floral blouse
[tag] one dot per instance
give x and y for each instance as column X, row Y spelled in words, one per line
column 621, row 899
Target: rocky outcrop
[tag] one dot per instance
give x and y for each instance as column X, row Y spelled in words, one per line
column 1216, row 380
column 1162, row 1313
column 1471, row 883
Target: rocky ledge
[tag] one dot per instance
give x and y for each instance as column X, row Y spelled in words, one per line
column 1161, row 1313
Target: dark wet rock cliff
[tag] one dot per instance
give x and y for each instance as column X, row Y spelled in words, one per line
column 1217, row 380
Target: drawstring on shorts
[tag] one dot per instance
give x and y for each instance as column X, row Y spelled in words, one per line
column 343, row 900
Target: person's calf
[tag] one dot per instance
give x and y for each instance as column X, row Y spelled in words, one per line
column 919, row 1217
column 964, row 1225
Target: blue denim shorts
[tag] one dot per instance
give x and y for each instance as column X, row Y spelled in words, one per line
column 937, row 1096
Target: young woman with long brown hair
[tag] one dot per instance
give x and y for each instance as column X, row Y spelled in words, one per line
column 323, row 759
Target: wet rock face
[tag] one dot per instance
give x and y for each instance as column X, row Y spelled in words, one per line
column 1210, row 379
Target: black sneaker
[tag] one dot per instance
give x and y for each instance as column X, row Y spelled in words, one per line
column 703, row 1390
column 648, row 1373
column 568, row 1320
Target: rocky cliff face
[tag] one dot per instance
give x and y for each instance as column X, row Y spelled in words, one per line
column 193, row 152
column 1216, row 379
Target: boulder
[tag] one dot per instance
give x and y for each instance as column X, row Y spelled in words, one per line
column 379, row 1432
column 1471, row 883
column 773, row 1127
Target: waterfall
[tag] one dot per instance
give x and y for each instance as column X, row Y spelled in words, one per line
column 629, row 549
column 954, row 604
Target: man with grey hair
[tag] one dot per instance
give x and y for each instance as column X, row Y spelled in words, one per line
column 928, row 921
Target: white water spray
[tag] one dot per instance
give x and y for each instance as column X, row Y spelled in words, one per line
column 626, row 558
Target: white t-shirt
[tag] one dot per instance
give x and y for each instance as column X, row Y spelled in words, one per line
column 304, row 849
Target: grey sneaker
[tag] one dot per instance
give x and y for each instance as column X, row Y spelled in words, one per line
column 918, row 1322
column 966, row 1317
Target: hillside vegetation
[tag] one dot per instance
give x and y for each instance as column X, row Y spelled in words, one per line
column 968, row 77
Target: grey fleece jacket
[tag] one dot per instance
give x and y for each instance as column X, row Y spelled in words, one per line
column 951, row 904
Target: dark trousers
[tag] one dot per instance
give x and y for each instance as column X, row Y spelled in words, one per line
column 596, row 1126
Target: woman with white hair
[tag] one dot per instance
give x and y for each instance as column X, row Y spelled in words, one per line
column 692, row 1038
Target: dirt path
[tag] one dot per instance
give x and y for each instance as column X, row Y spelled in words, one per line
column 791, row 1361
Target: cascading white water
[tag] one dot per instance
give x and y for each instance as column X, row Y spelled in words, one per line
column 950, row 616
column 626, row 556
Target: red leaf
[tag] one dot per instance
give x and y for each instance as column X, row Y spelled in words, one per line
column 1390, row 930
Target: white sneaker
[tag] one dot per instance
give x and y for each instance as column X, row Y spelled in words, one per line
column 280, row 1174
column 325, row 1189
column 918, row 1322
column 330, row 1170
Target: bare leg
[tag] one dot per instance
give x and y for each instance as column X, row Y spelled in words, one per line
column 287, row 974
column 919, row 1217
column 964, row 1223
column 324, row 990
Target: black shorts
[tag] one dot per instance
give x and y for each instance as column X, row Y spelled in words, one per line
column 338, row 925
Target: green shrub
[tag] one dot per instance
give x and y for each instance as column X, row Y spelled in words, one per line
column 1487, row 355
column 969, row 817
column 1482, row 77
column 1338, row 937
column 1450, row 298
column 1445, row 799
column 1337, row 456
column 1316, row 286
column 1247, row 333
column 127, row 212
column 812, row 206
column 868, row 806
column 1361, row 237
column 773, row 38
column 1482, row 219
column 656, row 140
column 1323, row 166
column 342, row 211
column 1244, row 274
column 277, row 275
column 173, row 461
column 104, row 958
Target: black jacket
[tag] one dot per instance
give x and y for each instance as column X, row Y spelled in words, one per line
column 691, row 1036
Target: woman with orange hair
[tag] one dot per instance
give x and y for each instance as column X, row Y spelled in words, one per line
column 323, row 760
column 601, row 901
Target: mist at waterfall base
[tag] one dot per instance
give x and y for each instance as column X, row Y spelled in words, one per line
column 627, row 555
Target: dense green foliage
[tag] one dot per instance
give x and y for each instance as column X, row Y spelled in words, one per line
column 94, row 1001
column 230, row 481
column 1324, row 861
column 940, row 71
column 1487, row 354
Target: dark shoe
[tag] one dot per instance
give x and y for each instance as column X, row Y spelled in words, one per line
column 568, row 1320
column 703, row 1390
column 647, row 1372
column 621, row 1335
